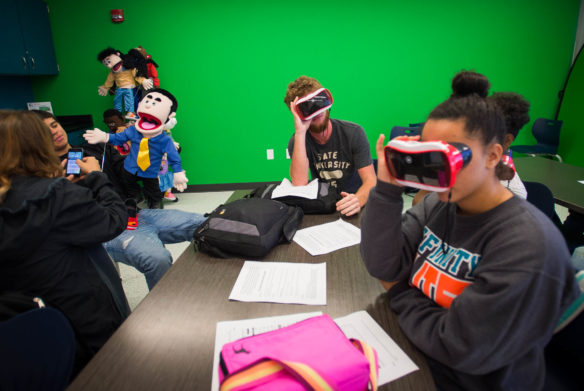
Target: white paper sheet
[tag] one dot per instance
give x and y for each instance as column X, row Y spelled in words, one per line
column 286, row 188
column 393, row 362
column 229, row 331
column 326, row 238
column 281, row 282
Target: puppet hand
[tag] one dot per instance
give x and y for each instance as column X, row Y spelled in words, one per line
column 171, row 123
column 180, row 181
column 147, row 84
column 102, row 91
column 95, row 136
column 176, row 145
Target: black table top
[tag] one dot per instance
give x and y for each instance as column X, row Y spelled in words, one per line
column 168, row 341
column 562, row 179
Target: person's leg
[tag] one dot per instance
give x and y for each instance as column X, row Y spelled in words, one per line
column 118, row 99
column 152, row 193
column 172, row 226
column 132, row 187
column 143, row 250
column 129, row 99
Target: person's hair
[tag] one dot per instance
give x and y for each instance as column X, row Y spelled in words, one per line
column 482, row 118
column 515, row 109
column 167, row 94
column 300, row 87
column 112, row 113
column 105, row 53
column 42, row 114
column 26, row 148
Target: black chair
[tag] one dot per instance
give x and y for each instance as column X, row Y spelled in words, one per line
column 542, row 197
column 547, row 135
column 405, row 131
column 37, row 351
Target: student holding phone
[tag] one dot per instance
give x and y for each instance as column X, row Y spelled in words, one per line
column 143, row 246
column 331, row 150
column 46, row 224
column 477, row 277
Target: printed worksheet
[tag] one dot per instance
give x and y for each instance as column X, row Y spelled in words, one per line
column 393, row 362
column 281, row 282
column 329, row 237
column 285, row 188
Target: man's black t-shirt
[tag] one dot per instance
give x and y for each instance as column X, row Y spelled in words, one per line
column 335, row 162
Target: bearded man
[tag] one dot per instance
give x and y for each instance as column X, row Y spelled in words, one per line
column 334, row 151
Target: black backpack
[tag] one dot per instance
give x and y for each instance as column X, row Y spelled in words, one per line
column 247, row 228
column 325, row 203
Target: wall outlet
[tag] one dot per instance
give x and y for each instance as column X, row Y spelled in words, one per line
column 270, row 153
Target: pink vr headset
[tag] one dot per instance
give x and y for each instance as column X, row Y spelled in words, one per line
column 314, row 103
column 427, row 165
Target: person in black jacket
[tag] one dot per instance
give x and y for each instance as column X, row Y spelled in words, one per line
column 46, row 225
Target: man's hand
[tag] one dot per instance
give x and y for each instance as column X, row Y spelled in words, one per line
column 96, row 136
column 87, row 164
column 349, row 204
column 147, row 84
column 300, row 126
column 180, row 181
column 101, row 90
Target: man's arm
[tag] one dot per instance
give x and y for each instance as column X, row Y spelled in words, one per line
column 351, row 204
column 369, row 180
column 299, row 158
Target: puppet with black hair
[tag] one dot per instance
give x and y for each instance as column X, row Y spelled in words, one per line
column 148, row 145
column 126, row 72
column 151, row 65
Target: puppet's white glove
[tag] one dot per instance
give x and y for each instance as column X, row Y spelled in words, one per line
column 180, row 181
column 96, row 136
column 171, row 123
column 176, row 145
column 101, row 90
column 147, row 84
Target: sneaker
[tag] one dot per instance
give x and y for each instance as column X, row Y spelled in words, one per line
column 132, row 209
column 131, row 116
column 168, row 196
column 577, row 306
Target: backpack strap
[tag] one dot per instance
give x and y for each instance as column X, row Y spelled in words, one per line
column 265, row 368
column 302, row 372
column 371, row 356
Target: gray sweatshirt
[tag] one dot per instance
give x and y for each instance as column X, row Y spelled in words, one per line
column 479, row 295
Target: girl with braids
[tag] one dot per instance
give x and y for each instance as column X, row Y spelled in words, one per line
column 477, row 277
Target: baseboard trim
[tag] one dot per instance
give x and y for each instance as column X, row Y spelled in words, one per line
column 226, row 186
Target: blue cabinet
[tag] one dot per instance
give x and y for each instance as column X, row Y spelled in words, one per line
column 27, row 42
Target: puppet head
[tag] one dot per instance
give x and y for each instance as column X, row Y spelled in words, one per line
column 111, row 58
column 154, row 110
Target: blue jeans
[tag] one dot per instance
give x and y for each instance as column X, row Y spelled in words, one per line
column 127, row 94
column 144, row 248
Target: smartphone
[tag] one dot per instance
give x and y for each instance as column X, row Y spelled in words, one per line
column 72, row 166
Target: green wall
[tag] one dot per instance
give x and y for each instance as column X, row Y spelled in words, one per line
column 572, row 134
column 386, row 62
